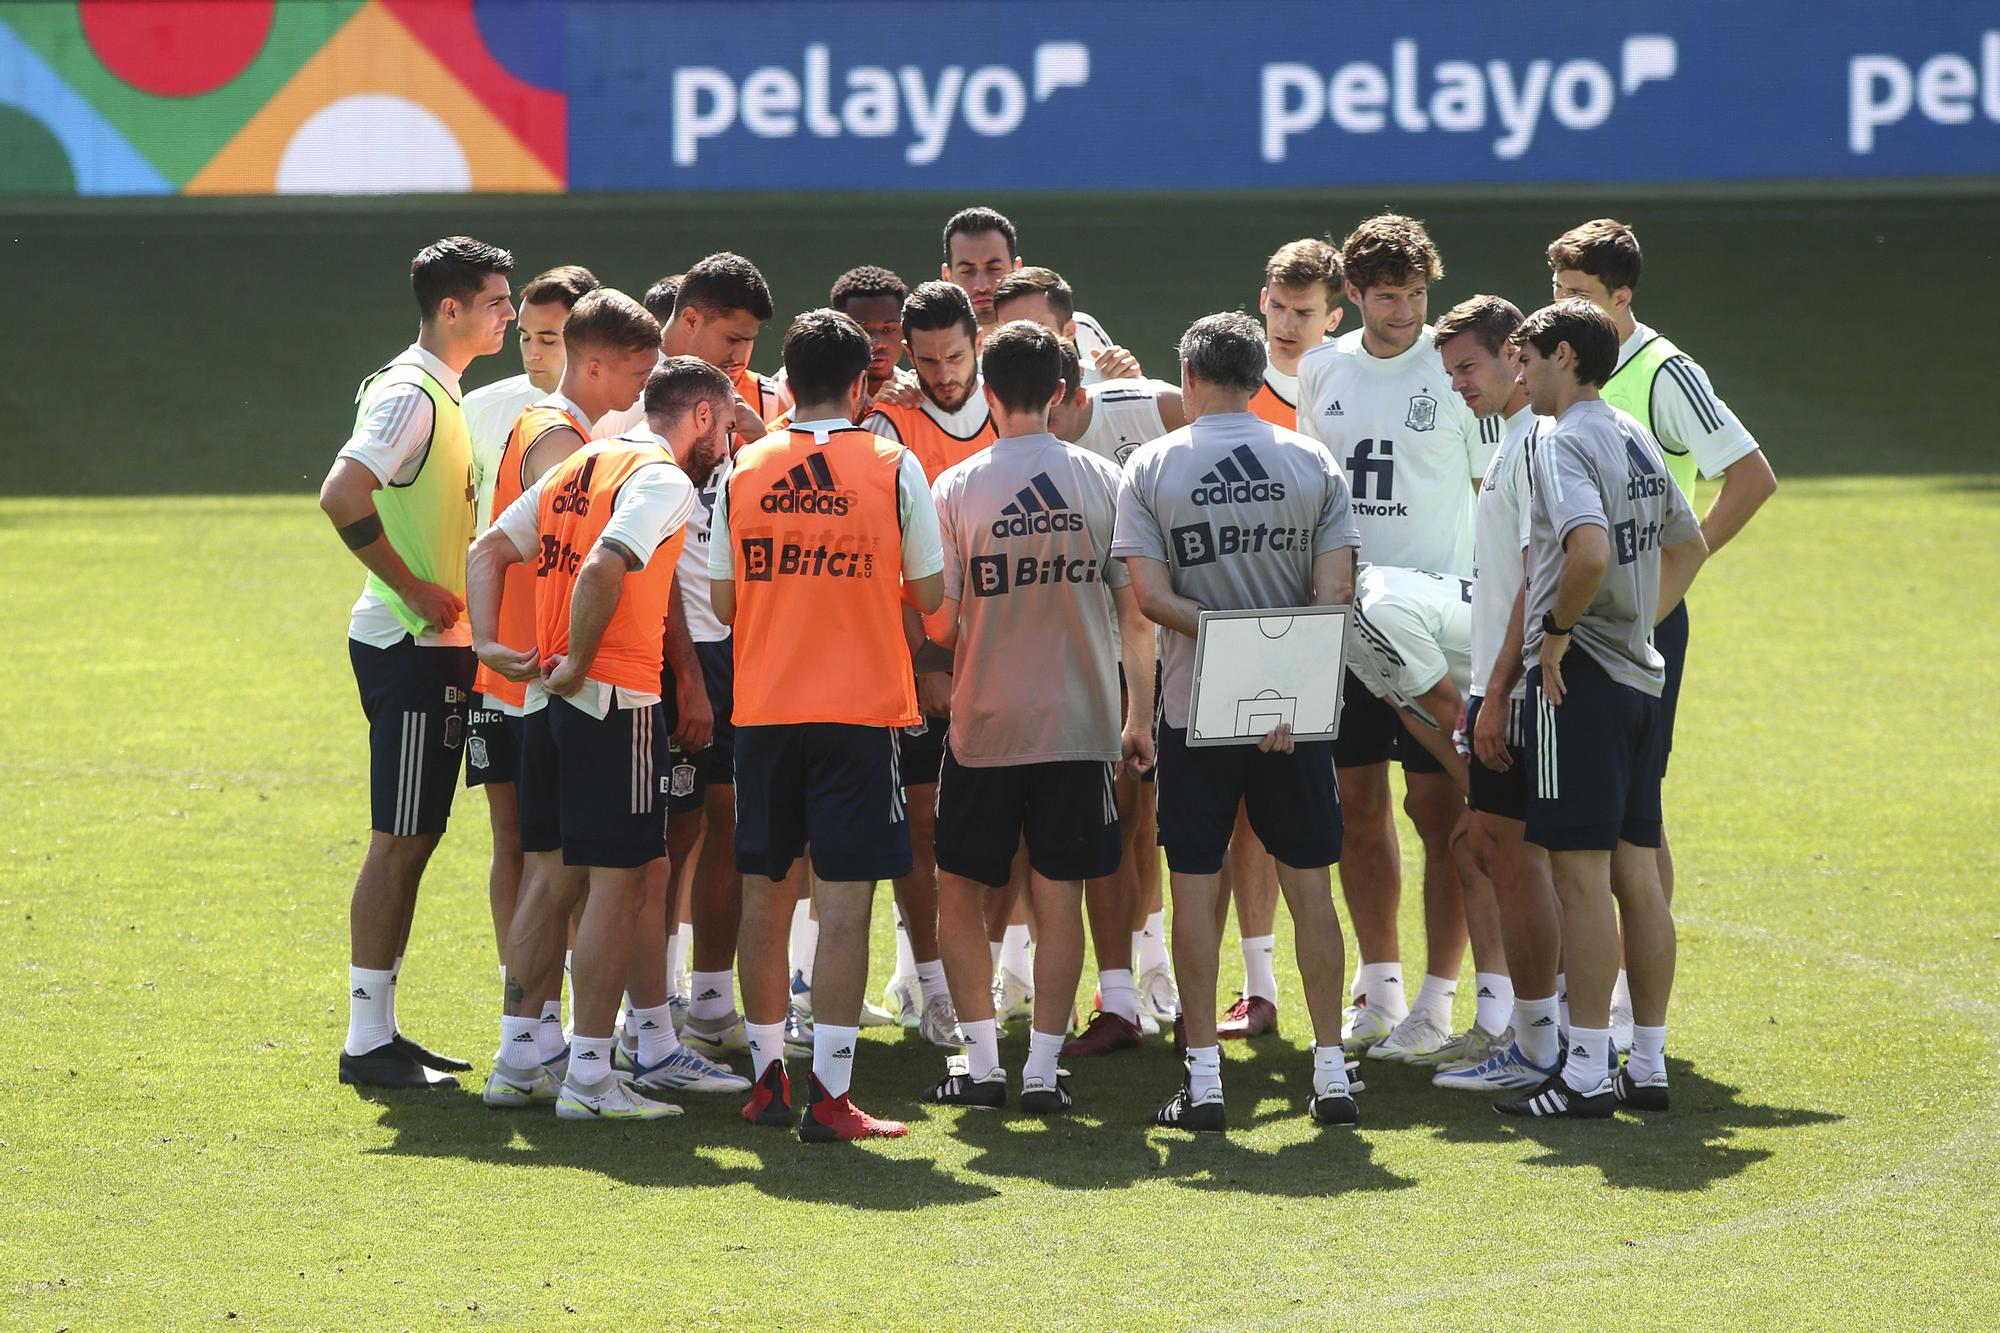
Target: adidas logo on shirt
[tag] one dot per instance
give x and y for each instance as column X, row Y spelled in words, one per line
column 1332, row 409
column 808, row 488
column 1239, row 478
column 1039, row 507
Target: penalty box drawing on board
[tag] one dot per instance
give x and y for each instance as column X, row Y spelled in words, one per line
column 1256, row 670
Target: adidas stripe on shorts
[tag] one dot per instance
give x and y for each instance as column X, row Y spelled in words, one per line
column 416, row 701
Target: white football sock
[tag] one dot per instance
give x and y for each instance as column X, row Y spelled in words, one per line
column 1014, row 953
column 395, row 979
column 767, row 1043
column 655, row 1030
column 1495, row 994
column 805, row 940
column 368, row 1022
column 906, row 957
column 677, row 957
column 1204, row 1066
column 568, row 994
column 519, row 1047
column 589, row 1060
column 1151, row 950
column 1535, row 1030
column 1116, row 993
column 1562, row 1001
column 833, row 1057
column 1259, row 978
column 1589, row 1059
column 1329, row 1071
column 1044, row 1048
column 1649, row 1053
column 982, row 1047
column 1621, row 991
column 930, row 978
column 1380, row 985
column 628, row 1034
column 548, row 1030
column 714, row 995
column 1434, row 999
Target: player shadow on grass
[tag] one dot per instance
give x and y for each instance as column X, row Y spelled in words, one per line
column 701, row 1149
column 1683, row 1150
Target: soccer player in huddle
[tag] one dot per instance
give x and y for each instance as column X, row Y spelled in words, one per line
column 720, row 306
column 1026, row 528
column 1300, row 303
column 950, row 422
column 818, row 539
column 1474, row 338
column 1669, row 394
column 981, row 247
column 1378, row 398
column 1612, row 546
column 401, row 494
column 1041, row 296
column 1185, row 553
column 603, row 530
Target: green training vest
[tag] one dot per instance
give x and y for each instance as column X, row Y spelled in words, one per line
column 1632, row 389
column 428, row 520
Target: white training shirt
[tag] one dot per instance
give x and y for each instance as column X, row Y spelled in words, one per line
column 691, row 575
column 623, row 420
column 1124, row 414
column 390, row 442
column 650, row 507
column 1285, row 386
column 1410, row 447
column 1412, row 628
column 1496, row 565
column 1688, row 418
column 490, row 414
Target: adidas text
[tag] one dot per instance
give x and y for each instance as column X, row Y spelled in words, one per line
column 833, row 503
column 1025, row 525
column 1242, row 492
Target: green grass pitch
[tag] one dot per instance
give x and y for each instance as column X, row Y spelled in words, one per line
column 183, row 776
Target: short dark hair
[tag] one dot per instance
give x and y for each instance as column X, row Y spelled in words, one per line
column 1390, row 250
column 825, row 351
column 1300, row 264
column 1588, row 331
column 1490, row 320
column 659, row 298
column 679, row 382
column 1030, row 281
column 609, row 320
column 976, row 222
column 723, row 283
column 938, row 305
column 1072, row 368
column 1022, row 364
column 1226, row 350
column 455, row 267
column 1605, row 248
column 565, row 284
column 858, row 284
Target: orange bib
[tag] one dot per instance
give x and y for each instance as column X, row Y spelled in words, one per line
column 935, row 447
column 517, row 591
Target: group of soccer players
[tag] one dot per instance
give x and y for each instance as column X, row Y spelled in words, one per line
column 725, row 650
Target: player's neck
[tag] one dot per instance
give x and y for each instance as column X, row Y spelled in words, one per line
column 1569, row 395
column 580, row 399
column 1626, row 323
column 1375, row 347
column 1515, row 401
column 1280, row 362
column 802, row 412
column 437, row 340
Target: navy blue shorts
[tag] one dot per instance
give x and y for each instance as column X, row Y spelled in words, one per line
column 718, row 672
column 1670, row 636
column 1292, row 800
column 416, row 700
column 686, row 781
column 1065, row 810
column 590, row 787
column 923, row 750
column 492, row 744
column 1596, row 761
column 835, row 785
column 1372, row 732
column 1491, row 793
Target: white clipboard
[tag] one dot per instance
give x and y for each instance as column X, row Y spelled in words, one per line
column 1254, row 670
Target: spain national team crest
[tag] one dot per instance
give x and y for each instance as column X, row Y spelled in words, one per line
column 475, row 751
column 1423, row 412
column 683, row 780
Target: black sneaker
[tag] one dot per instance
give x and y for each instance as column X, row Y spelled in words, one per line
column 1648, row 1096
column 1557, row 1098
column 1183, row 1111
column 389, row 1066
column 1039, row 1098
column 428, row 1058
column 1335, row 1108
column 985, row 1094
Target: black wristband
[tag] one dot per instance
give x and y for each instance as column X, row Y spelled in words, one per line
column 1549, row 625
column 362, row 531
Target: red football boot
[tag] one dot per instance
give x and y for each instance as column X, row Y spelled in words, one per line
column 1106, row 1033
column 837, row 1119
column 771, row 1100
column 1250, row 1016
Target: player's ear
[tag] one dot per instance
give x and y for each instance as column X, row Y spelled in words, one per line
column 1333, row 324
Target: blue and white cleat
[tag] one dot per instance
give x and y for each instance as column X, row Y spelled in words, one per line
column 687, row 1070
column 1504, row 1071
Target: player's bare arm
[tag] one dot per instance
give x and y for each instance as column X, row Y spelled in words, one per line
column 598, row 585
column 485, row 573
column 1489, row 733
column 1746, row 485
column 1136, row 651
column 697, row 716
column 1333, row 578
column 347, row 497
column 551, row 447
column 1586, row 555
column 1154, row 586
column 1679, row 563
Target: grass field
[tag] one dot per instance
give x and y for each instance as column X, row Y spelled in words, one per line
column 183, row 758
